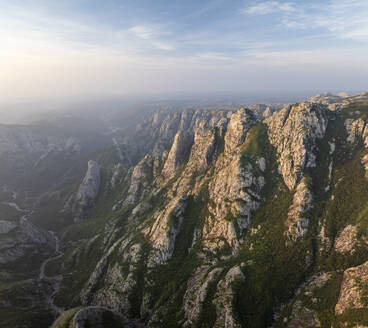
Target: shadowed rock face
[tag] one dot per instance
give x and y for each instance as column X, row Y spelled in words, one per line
column 87, row 192
column 140, row 181
column 94, row 317
column 22, row 238
column 306, row 316
column 197, row 290
column 353, row 290
column 178, row 153
column 202, row 152
column 224, row 298
column 23, row 140
column 90, row 185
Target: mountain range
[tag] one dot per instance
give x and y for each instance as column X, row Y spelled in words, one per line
column 188, row 217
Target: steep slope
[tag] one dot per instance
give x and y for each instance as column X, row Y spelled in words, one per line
column 40, row 163
column 198, row 218
column 223, row 219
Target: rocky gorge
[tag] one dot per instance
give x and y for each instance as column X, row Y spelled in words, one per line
column 208, row 218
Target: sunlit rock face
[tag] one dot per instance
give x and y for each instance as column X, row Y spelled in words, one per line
column 294, row 132
column 235, row 193
column 298, row 223
column 347, row 240
column 240, row 123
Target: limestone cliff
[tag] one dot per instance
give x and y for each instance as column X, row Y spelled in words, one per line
column 353, row 292
column 224, row 219
column 297, row 222
column 294, row 132
column 87, row 192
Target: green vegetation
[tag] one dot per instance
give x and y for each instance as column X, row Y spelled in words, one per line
column 347, row 204
column 76, row 266
column 170, row 286
column 24, row 305
column 171, row 279
column 256, row 142
column 268, row 284
column 66, row 318
column 352, row 318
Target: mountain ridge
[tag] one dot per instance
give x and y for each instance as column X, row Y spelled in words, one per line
column 231, row 220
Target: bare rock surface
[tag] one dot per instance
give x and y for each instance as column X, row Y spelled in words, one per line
column 21, row 139
column 240, row 123
column 235, row 194
column 294, row 132
column 354, row 128
column 297, row 223
column 224, row 297
column 178, row 153
column 87, row 192
column 94, row 317
column 165, row 229
column 304, row 315
column 197, row 291
column 24, row 239
column 346, row 240
column 353, row 293
column 140, row 181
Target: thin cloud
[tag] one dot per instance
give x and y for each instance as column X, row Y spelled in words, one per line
column 342, row 19
column 150, row 35
column 305, row 59
column 269, row 7
column 45, row 53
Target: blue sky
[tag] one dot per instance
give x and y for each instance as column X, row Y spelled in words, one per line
column 70, row 47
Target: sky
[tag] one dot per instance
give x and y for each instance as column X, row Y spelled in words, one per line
column 68, row 48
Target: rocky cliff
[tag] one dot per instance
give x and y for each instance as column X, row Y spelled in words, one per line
column 223, row 219
column 83, row 200
column 294, row 132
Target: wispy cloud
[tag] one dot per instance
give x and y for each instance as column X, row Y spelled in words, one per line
column 43, row 49
column 346, row 19
column 26, row 31
column 150, row 35
column 269, row 7
column 331, row 58
column 342, row 19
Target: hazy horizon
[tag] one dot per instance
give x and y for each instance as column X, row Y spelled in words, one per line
column 57, row 49
column 26, row 110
